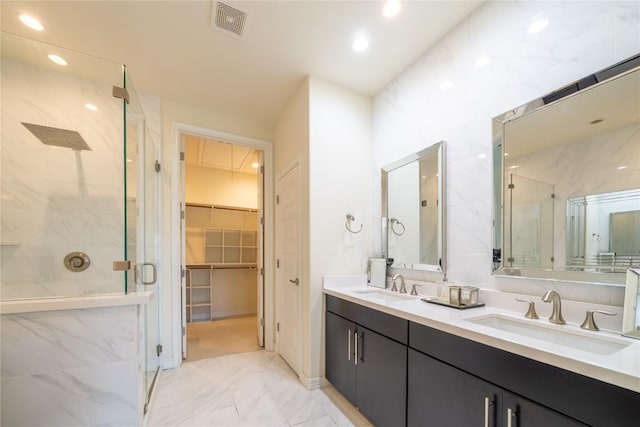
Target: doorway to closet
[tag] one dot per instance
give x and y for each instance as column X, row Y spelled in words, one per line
column 222, row 247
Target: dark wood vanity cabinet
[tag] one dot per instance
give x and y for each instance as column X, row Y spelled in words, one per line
column 366, row 362
column 440, row 395
column 410, row 374
column 536, row 394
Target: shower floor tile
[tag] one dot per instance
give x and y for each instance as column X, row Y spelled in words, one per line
column 249, row 389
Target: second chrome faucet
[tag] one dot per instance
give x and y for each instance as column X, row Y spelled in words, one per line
column 556, row 313
column 403, row 288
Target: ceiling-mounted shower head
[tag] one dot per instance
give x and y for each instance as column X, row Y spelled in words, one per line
column 58, row 137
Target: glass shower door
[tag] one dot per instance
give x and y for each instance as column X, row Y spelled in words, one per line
column 143, row 201
column 148, row 269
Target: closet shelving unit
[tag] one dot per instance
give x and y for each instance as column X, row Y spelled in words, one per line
column 198, row 293
column 230, row 246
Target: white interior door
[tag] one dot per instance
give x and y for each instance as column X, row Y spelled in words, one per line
column 260, row 259
column 288, row 268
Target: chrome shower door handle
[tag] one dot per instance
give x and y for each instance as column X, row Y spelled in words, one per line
column 154, row 268
column 295, row 282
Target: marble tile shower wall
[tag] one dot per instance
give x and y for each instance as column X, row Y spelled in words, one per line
column 71, row 368
column 419, row 108
column 56, row 200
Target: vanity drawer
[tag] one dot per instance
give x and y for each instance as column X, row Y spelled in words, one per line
column 591, row 401
column 385, row 324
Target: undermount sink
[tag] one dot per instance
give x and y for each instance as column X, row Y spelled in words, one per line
column 576, row 339
column 387, row 296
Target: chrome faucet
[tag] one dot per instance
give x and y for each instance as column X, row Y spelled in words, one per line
column 556, row 314
column 403, row 288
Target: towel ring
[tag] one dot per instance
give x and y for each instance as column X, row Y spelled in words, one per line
column 395, row 221
column 348, row 224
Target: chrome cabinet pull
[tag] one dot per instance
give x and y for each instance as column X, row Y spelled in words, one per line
column 355, row 337
column 349, row 345
column 361, row 353
column 510, row 415
column 487, row 403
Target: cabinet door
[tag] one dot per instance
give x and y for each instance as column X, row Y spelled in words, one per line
column 521, row 412
column 440, row 395
column 339, row 355
column 381, row 381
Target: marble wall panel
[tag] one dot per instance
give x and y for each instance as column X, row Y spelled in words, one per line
column 416, row 109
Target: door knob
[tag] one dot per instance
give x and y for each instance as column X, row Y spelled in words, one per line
column 295, row 282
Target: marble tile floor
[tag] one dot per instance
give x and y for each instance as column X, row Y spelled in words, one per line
column 248, row 389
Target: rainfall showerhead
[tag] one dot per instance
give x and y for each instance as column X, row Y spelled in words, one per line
column 58, row 137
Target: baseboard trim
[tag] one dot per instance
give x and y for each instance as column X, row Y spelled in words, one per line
column 311, row 383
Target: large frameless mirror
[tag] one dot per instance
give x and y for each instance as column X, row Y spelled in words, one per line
column 413, row 210
column 567, row 181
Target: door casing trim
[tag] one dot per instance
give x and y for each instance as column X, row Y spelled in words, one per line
column 177, row 129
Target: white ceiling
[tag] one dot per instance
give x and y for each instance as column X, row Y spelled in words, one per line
column 171, row 49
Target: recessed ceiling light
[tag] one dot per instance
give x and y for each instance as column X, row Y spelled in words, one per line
column 360, row 43
column 514, row 167
column 391, row 8
column 506, row 154
column 621, row 167
column 537, row 25
column 57, row 59
column 446, row 84
column 129, row 160
column 255, row 165
column 91, row 107
column 483, row 61
column 31, row 22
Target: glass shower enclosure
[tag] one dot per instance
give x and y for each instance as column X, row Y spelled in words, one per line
column 79, row 181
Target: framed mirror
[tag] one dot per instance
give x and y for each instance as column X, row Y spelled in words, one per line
column 413, row 211
column 567, row 181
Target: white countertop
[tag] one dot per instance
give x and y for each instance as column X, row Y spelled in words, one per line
column 621, row 368
column 32, row 305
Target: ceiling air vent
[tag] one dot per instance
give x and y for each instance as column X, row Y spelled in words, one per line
column 230, row 19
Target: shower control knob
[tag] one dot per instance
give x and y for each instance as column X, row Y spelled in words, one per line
column 77, row 261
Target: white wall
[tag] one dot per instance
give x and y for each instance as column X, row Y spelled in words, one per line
column 327, row 128
column 413, row 111
column 340, row 160
column 291, row 144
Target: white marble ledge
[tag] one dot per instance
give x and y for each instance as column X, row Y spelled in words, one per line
column 621, row 368
column 32, row 305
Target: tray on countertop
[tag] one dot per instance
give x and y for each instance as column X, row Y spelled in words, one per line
column 446, row 304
